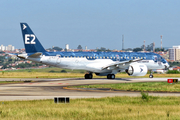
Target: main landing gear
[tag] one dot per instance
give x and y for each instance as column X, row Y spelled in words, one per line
column 151, row 75
column 88, row 76
column 110, row 76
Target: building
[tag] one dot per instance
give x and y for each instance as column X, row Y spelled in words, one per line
column 10, row 48
column 2, row 48
column 67, row 46
column 174, row 53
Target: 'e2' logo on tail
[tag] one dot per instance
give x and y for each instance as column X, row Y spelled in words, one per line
column 27, row 39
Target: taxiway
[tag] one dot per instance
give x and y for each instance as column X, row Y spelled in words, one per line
column 50, row 88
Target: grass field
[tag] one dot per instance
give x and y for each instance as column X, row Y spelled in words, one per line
column 145, row 86
column 54, row 72
column 33, row 74
column 10, row 82
column 115, row 108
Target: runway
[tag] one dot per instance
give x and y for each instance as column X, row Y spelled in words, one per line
column 50, row 88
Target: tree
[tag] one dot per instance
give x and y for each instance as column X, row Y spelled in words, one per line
column 149, row 47
column 79, row 47
column 159, row 49
column 57, row 48
column 128, row 49
column 137, row 49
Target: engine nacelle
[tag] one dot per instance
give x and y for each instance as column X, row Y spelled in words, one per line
column 137, row 70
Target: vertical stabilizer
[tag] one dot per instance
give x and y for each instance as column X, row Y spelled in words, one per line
column 31, row 42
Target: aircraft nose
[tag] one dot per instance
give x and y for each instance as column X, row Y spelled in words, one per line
column 166, row 66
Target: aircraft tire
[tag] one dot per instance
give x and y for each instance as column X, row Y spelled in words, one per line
column 150, row 76
column 88, row 76
column 110, row 76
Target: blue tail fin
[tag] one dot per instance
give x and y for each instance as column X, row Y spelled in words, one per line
column 31, row 42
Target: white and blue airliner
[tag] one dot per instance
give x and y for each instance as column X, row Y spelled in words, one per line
column 101, row 63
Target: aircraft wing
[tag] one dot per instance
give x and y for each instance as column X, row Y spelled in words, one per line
column 117, row 64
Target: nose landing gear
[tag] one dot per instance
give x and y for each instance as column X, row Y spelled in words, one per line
column 151, row 75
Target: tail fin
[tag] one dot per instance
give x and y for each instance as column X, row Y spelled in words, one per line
column 31, row 42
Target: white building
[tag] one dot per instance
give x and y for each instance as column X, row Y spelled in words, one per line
column 2, row 48
column 174, row 53
column 67, row 46
column 8, row 48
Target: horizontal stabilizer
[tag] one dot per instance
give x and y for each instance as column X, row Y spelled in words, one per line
column 35, row 55
column 12, row 54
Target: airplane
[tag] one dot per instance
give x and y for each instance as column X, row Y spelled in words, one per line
column 101, row 63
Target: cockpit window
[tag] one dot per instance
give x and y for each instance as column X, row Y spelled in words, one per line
column 155, row 58
column 163, row 60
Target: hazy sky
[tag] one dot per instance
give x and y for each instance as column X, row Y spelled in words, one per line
column 92, row 23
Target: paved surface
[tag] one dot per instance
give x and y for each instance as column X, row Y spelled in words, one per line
column 50, row 88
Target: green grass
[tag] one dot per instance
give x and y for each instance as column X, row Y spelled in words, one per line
column 145, row 86
column 11, row 82
column 114, row 108
column 53, row 72
column 48, row 70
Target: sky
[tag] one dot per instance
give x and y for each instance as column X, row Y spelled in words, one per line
column 92, row 23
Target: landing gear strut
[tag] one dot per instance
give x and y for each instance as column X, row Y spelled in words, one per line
column 110, row 76
column 88, row 76
column 151, row 75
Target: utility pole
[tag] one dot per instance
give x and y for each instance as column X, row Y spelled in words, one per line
column 122, row 42
column 161, row 42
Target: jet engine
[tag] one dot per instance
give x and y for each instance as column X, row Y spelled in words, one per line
column 137, row 70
